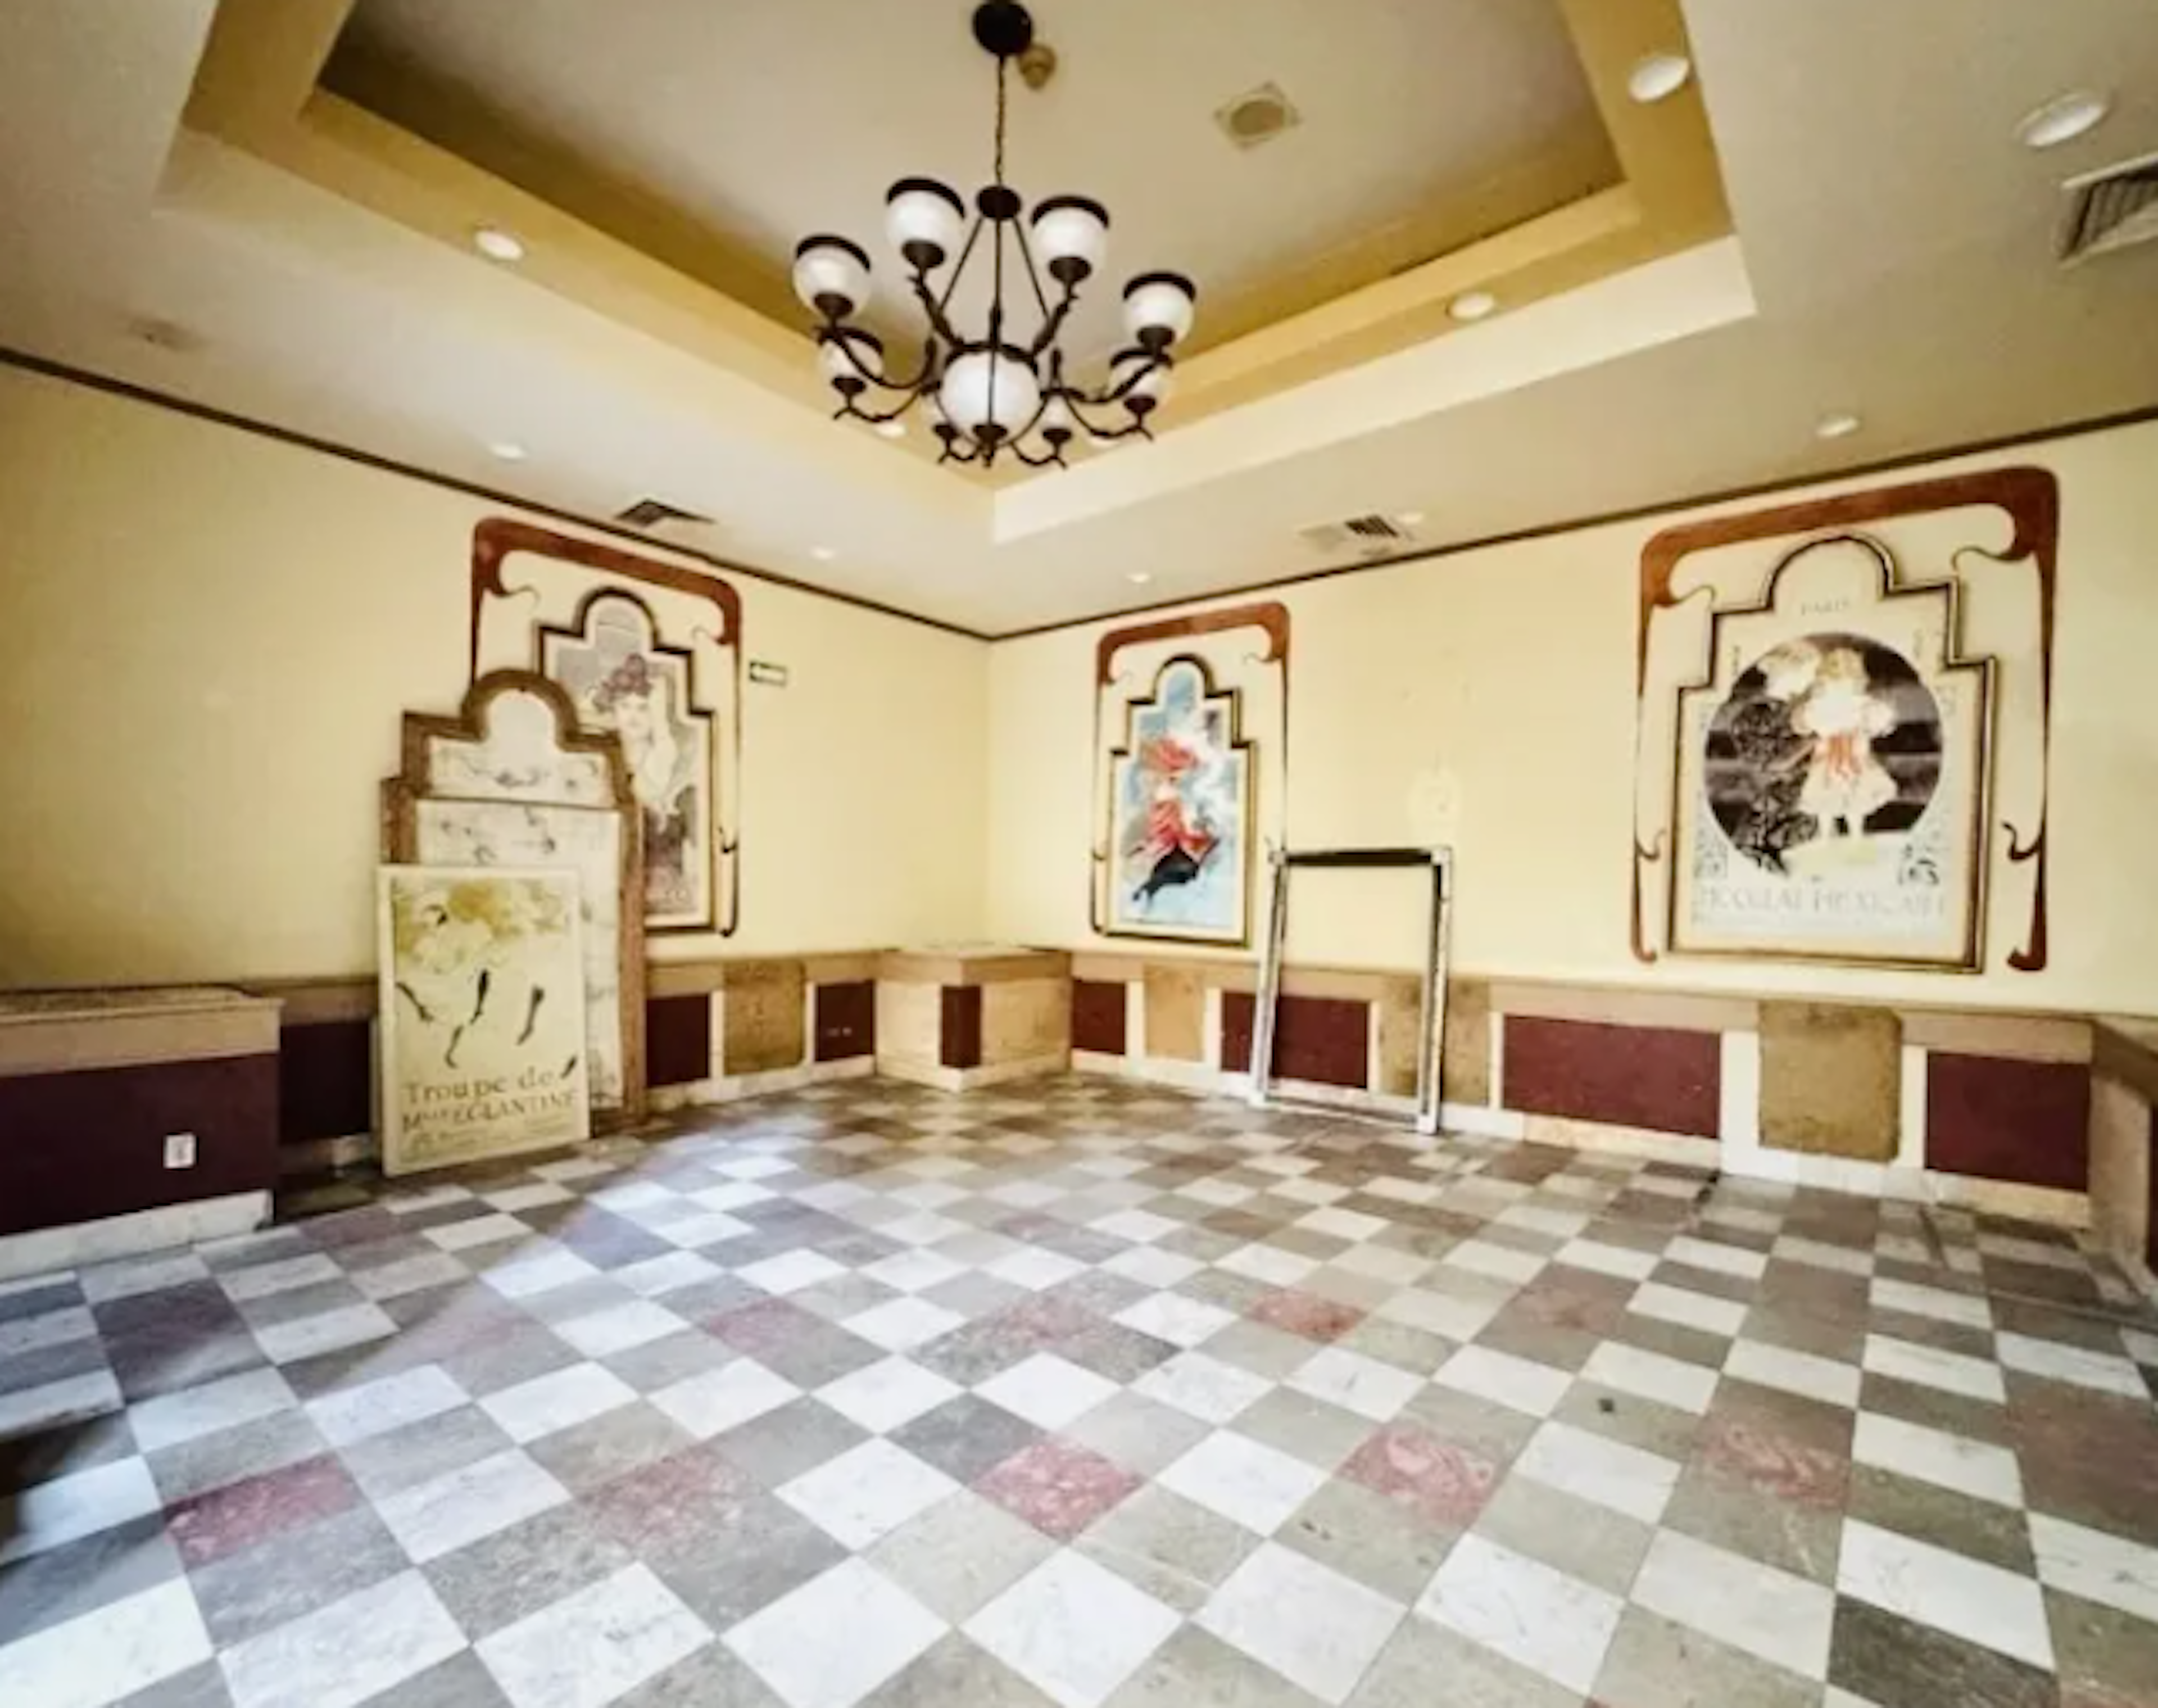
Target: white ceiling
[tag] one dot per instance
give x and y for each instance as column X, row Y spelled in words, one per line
column 1894, row 257
column 770, row 119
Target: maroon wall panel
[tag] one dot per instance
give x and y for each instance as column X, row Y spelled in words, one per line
column 2002, row 1120
column 1656, row 1077
column 1097, row 1016
column 80, row 1146
column 846, row 1020
column 678, row 1040
column 959, row 1030
column 325, row 1081
column 1322, row 1041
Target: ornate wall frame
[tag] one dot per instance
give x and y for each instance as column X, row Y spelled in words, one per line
column 496, row 538
column 2028, row 497
column 1211, row 694
column 1272, row 619
column 591, row 782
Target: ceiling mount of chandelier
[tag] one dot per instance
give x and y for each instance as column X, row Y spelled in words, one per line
column 1002, row 389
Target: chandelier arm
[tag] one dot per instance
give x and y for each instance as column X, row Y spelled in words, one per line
column 912, row 388
column 1053, row 325
column 951, row 285
column 1122, row 389
column 1033, row 277
column 1052, row 458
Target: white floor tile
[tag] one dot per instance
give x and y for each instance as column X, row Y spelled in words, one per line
column 439, row 1516
column 830, row 1642
column 1820, row 1255
column 556, row 1401
column 1245, row 1481
column 1687, row 1308
column 475, row 1231
column 170, row 1419
column 732, row 1196
column 1532, row 1614
column 1047, row 1391
column 1543, row 1219
column 327, row 1331
column 1151, row 1266
column 124, row 1647
column 1597, row 1468
column 2102, row 1568
column 1034, row 1269
column 350, row 1415
column 27, row 1410
column 355, row 1648
column 655, row 1277
column 535, row 1269
column 1519, row 1384
column 594, row 1645
column 1269, row 1264
column 1488, row 1258
column 1968, row 1309
column 602, row 1333
column 1802, row 1373
column 1621, row 1260
column 1964, row 1598
column 79, row 1503
column 1364, row 1386
column 1934, row 1455
column 913, row 1271
column 412, row 1274
column 1952, row 1372
column 1383, row 1263
column 886, row 1395
column 866, row 1492
column 901, row 1323
column 1714, row 1255
column 1203, row 1387
column 2107, row 1373
column 1072, row 1629
column 59, row 1327
column 262, row 1280
column 1454, row 1312
column 531, row 1196
column 140, row 1275
column 792, row 1272
column 1772, row 1614
column 720, row 1400
column 1343, row 1224
column 1317, row 1628
column 1651, row 1376
column 1172, row 1317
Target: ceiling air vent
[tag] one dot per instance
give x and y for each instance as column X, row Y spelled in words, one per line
column 2114, row 209
column 1373, row 536
column 648, row 513
column 1257, row 116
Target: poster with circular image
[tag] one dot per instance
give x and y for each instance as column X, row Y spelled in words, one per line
column 1830, row 782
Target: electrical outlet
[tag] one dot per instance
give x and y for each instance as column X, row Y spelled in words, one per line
column 179, row 1150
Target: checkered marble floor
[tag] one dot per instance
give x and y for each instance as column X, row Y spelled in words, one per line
column 1083, row 1394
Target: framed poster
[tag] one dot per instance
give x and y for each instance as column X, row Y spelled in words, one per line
column 621, row 679
column 483, row 1015
column 647, row 649
column 1180, row 804
column 1842, row 722
column 1831, row 778
column 512, row 782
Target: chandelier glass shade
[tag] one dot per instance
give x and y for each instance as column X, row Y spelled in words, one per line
column 1001, row 389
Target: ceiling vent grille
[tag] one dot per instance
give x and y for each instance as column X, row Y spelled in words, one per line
column 1372, row 536
column 2112, row 209
column 649, row 514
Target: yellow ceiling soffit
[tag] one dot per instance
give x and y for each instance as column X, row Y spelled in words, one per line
column 257, row 90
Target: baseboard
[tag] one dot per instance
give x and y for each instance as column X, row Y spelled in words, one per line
column 43, row 1251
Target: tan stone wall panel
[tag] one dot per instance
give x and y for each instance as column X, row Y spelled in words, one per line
column 1400, row 1010
column 1466, row 1075
column 1025, row 1019
column 909, row 1025
column 766, row 1026
column 1831, row 1080
column 2120, row 1161
column 1175, row 1013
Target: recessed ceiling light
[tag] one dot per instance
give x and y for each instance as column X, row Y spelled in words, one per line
column 1658, row 77
column 823, row 554
column 497, row 244
column 2063, row 119
column 1472, row 305
column 1139, row 578
column 1837, row 426
column 508, row 450
column 893, row 428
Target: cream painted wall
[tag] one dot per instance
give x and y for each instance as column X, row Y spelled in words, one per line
column 206, row 639
column 1487, row 698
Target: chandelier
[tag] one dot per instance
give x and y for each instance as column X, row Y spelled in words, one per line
column 994, row 391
